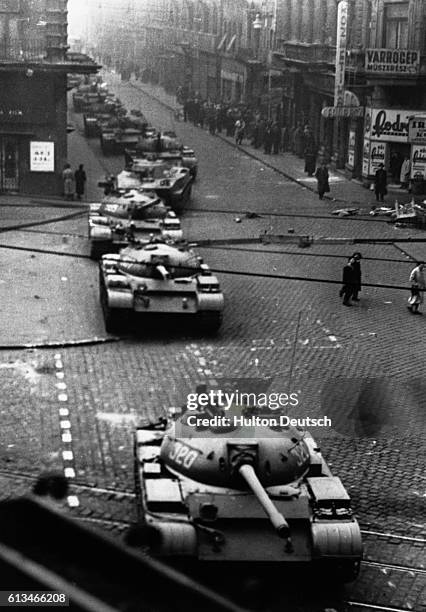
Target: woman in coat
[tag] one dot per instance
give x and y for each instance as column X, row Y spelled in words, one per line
column 322, row 177
column 418, row 285
column 68, row 178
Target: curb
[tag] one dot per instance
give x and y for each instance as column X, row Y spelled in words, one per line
column 60, row 343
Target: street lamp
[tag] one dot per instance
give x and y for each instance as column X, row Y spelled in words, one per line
column 257, row 27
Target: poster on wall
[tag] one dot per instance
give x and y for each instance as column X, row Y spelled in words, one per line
column 42, row 156
column 378, row 151
column 366, row 157
column 351, row 150
column 418, row 161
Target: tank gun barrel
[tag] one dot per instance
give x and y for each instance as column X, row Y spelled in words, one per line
column 276, row 518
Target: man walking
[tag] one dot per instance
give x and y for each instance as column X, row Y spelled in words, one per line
column 349, row 281
column 80, row 180
column 322, row 177
column 418, row 285
column 380, row 182
column 357, row 276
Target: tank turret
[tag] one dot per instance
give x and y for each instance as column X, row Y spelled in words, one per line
column 243, row 485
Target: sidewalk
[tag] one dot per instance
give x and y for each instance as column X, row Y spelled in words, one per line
column 344, row 192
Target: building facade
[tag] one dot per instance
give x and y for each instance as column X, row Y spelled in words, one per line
column 340, row 66
column 33, row 94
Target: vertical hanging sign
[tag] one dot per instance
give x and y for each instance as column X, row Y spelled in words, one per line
column 341, row 44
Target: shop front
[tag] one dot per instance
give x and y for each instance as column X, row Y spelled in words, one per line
column 33, row 137
column 386, row 141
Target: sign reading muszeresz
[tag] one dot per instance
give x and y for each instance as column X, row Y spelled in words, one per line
column 392, row 61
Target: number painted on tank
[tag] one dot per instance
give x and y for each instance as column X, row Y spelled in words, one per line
column 183, row 455
column 300, row 453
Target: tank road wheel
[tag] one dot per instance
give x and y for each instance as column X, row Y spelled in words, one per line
column 111, row 315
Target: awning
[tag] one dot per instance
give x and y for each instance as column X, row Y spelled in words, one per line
column 231, row 43
column 222, row 42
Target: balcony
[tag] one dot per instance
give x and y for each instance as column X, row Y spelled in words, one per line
column 314, row 54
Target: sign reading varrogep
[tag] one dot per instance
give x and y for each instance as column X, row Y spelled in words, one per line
column 42, row 156
column 392, row 61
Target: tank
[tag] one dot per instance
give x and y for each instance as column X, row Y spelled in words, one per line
column 166, row 176
column 242, row 486
column 101, row 115
column 125, row 133
column 164, row 144
column 129, row 216
column 159, row 283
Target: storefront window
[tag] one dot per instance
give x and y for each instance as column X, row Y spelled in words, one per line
column 396, row 26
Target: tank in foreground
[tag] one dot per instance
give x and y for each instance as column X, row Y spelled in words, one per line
column 159, row 283
column 126, row 217
column 224, row 491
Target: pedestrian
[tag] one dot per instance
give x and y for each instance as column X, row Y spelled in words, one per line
column 298, row 140
column 380, row 182
column 357, row 276
column 322, row 177
column 348, row 280
column 68, row 178
column 267, row 139
column 80, row 180
column 310, row 152
column 418, row 285
column 239, row 131
column 276, row 138
column 405, row 173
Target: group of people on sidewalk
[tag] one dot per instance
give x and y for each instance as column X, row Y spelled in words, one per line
column 263, row 132
column 351, row 283
column 74, row 182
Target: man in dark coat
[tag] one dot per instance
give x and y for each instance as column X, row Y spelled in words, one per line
column 322, row 177
column 349, row 280
column 80, row 180
column 357, row 274
column 267, row 138
column 380, row 182
column 310, row 152
column 276, row 138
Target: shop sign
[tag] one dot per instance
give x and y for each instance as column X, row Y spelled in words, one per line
column 42, row 156
column 341, row 44
column 377, row 155
column 392, row 61
column 388, row 124
column 351, row 150
column 417, row 130
column 366, row 157
column 373, row 154
column 418, row 160
column 348, row 112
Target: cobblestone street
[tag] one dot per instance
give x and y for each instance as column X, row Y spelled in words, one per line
column 284, row 326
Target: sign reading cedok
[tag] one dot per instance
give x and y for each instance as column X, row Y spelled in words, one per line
column 42, row 156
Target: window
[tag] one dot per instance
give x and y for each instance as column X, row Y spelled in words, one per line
column 395, row 31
